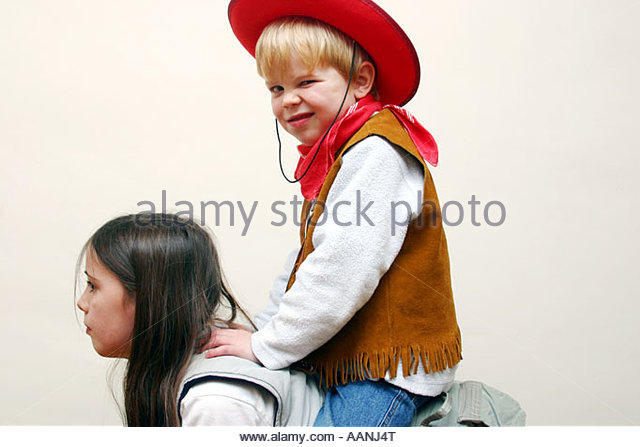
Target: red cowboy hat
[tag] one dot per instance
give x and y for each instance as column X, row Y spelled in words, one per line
column 396, row 61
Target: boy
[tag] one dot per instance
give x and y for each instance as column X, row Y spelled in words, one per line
column 366, row 305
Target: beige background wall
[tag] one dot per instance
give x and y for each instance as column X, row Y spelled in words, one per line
column 104, row 104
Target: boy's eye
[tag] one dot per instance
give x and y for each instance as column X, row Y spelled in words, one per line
column 91, row 286
column 276, row 89
column 307, row 82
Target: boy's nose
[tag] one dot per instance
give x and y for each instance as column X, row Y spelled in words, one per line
column 290, row 99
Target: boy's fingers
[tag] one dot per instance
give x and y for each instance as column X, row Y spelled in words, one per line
column 216, row 338
column 217, row 352
column 235, row 342
column 225, row 350
column 221, row 337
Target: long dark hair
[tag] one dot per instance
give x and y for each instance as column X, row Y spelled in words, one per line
column 171, row 267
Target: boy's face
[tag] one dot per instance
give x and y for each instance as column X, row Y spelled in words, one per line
column 305, row 101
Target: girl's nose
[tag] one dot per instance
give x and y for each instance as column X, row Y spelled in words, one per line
column 83, row 303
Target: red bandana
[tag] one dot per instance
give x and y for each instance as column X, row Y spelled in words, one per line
column 344, row 129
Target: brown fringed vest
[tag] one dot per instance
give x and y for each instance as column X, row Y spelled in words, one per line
column 411, row 315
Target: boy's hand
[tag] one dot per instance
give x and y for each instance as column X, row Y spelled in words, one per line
column 235, row 342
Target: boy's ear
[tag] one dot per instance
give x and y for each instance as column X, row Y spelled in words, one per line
column 363, row 80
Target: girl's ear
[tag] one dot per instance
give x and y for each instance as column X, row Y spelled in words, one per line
column 363, row 80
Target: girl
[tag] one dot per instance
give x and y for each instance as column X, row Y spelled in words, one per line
column 154, row 290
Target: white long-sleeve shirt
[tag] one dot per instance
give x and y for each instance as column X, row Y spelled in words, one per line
column 352, row 251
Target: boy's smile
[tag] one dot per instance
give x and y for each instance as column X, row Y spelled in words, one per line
column 305, row 101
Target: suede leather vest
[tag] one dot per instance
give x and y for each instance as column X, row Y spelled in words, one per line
column 411, row 314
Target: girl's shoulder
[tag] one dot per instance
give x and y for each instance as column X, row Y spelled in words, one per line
column 293, row 396
column 227, row 402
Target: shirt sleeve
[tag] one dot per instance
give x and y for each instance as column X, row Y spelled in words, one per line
column 358, row 237
column 227, row 402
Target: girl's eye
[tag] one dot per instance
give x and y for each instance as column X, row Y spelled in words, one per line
column 307, row 82
column 91, row 286
column 276, row 89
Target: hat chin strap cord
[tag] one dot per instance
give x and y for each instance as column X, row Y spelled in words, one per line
column 344, row 99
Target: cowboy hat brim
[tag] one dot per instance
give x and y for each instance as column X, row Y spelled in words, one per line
column 395, row 58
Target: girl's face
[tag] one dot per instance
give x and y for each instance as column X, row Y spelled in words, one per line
column 109, row 310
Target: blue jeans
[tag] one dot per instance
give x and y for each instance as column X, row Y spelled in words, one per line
column 369, row 403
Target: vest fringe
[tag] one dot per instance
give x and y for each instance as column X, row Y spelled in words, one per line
column 375, row 365
column 363, row 359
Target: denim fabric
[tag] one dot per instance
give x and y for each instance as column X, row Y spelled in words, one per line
column 369, row 404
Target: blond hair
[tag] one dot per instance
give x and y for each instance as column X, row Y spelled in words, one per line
column 314, row 42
